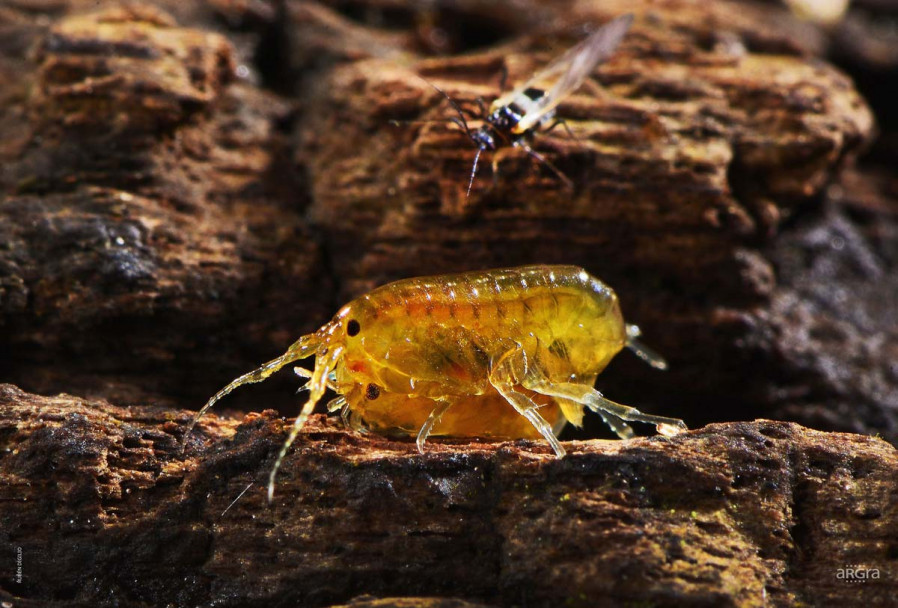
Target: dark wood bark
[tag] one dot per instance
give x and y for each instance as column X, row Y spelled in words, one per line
column 186, row 187
column 107, row 509
column 151, row 225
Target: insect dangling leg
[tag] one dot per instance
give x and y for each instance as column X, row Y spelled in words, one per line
column 562, row 122
column 481, row 105
column 641, row 350
column 504, row 377
column 431, row 421
column 594, row 400
column 542, row 159
column 317, row 385
column 503, row 77
column 399, row 123
column 459, row 122
column 302, row 348
column 497, row 158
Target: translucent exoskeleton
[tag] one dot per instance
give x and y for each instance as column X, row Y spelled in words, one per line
column 514, row 118
column 509, row 353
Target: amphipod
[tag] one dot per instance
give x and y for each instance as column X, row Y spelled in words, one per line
column 514, row 118
column 510, row 353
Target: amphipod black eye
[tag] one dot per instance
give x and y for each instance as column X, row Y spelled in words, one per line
column 372, row 392
column 353, row 328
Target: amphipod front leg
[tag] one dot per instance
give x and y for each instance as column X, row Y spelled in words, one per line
column 431, row 421
column 505, row 374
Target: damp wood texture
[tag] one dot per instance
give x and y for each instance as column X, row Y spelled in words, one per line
column 187, row 187
column 739, row 514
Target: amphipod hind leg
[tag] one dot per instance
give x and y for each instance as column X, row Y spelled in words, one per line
column 620, row 428
column 594, row 400
column 641, row 350
column 504, row 375
column 573, row 413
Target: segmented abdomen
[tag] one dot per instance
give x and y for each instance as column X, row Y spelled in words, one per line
column 453, row 326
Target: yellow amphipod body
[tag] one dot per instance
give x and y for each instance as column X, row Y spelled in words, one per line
column 505, row 353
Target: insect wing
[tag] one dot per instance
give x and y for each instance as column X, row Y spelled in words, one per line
column 575, row 65
column 544, row 78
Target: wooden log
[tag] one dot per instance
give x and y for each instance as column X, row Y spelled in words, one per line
column 166, row 222
column 148, row 224
column 106, row 509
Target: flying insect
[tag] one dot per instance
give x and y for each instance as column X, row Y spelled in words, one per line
column 514, row 118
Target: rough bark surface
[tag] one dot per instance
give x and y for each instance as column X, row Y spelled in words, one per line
column 186, row 187
column 108, row 510
column 148, row 229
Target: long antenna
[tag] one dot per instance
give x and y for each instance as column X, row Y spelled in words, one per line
column 473, row 172
column 455, row 106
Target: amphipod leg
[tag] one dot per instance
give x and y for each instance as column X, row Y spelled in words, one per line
column 351, row 419
column 346, row 415
column 431, row 421
column 594, row 400
column 337, row 403
column 573, row 413
column 620, row 428
column 305, row 373
column 504, row 376
column 317, row 385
